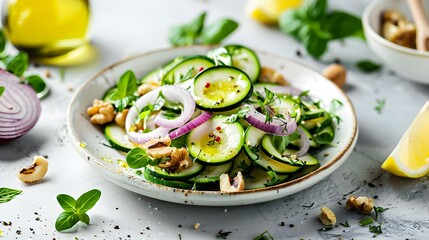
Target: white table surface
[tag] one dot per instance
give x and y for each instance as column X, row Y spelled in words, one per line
column 122, row 28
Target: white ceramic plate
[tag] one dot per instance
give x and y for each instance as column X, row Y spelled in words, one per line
column 88, row 140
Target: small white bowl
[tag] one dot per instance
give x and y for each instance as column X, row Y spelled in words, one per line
column 409, row 63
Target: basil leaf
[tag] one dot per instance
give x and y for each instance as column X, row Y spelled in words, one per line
column 218, row 31
column 138, row 158
column 7, row 194
column 127, row 85
column 281, row 142
column 290, row 22
column 18, row 64
column 368, row 66
column 180, row 36
column 315, row 9
column 341, row 24
column 66, row 220
column 2, row 41
column 197, row 24
column 179, row 142
column 1, row 90
column 87, row 200
column 67, row 202
column 83, row 217
column 36, row 82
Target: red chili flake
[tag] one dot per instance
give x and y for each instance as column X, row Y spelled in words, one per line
column 218, row 128
column 207, row 85
column 217, row 139
column 200, row 69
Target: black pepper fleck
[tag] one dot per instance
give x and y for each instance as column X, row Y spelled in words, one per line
column 298, row 53
column 147, row 228
column 375, row 197
column 371, row 185
column 180, row 225
column 116, row 227
column 282, row 224
column 291, row 225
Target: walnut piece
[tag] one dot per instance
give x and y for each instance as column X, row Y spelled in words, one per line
column 362, row 205
column 158, row 142
column 397, row 29
column 236, row 186
column 269, row 75
column 146, row 87
column 120, row 117
column 336, row 73
column 179, row 160
column 101, row 112
column 327, row 217
column 35, row 171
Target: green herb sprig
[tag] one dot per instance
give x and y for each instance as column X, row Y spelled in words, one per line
column 223, row 234
column 7, row 194
column 314, row 26
column 366, row 221
column 75, row 210
column 264, row 236
column 368, row 66
column 196, row 33
column 1, row 90
column 379, row 105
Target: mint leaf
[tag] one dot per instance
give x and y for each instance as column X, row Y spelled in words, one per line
column 138, row 158
column 368, row 66
column 341, row 25
column 18, row 64
column 83, row 217
column 7, row 194
column 87, row 200
column 66, row 220
column 67, row 202
column 127, row 85
column 36, row 82
column 218, row 31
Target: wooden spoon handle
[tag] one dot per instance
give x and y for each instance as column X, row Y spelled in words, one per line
column 421, row 20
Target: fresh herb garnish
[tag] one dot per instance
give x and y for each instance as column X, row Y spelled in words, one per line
column 127, row 85
column 346, row 224
column 366, row 221
column 281, row 142
column 1, row 90
column 263, row 102
column 379, row 210
column 222, row 235
column 17, row 64
column 195, row 32
column 264, row 236
column 376, row 230
column 36, row 82
column 314, row 26
column 368, row 66
column 75, row 210
column 274, row 178
column 335, row 105
column 138, row 158
column 379, row 105
column 240, row 114
column 7, row 194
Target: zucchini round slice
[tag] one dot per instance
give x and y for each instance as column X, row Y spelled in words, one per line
column 212, row 173
column 151, row 77
column 185, row 174
column 169, row 183
column 242, row 164
column 215, row 142
column 246, row 60
column 221, row 88
column 117, row 137
column 187, row 69
column 259, row 178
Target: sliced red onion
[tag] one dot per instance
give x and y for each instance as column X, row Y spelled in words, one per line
column 142, row 138
column 280, row 127
column 304, row 143
column 191, row 125
column 177, row 94
column 19, row 107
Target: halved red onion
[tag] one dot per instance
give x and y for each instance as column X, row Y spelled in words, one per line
column 177, row 94
column 280, row 127
column 19, row 107
column 304, row 144
column 191, row 125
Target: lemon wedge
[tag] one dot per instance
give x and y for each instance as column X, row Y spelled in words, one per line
column 269, row 11
column 410, row 158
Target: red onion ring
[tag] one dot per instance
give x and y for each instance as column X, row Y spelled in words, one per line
column 191, row 125
column 279, row 127
column 177, row 94
column 304, row 144
column 19, row 107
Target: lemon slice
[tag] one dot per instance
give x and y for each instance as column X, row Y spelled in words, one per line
column 410, row 158
column 269, row 11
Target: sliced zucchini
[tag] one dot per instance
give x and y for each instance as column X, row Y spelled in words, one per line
column 221, row 88
column 215, row 141
column 185, row 174
column 169, row 183
column 167, row 67
column 187, row 69
column 151, row 77
column 242, row 164
column 317, row 123
column 259, row 178
column 313, row 114
column 267, row 163
column 117, row 137
column 325, row 135
column 246, row 60
column 303, row 171
column 220, row 56
column 310, row 137
column 211, row 174
column 274, row 153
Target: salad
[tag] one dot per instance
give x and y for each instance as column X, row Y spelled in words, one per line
column 214, row 122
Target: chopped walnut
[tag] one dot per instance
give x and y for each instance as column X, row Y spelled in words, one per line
column 327, row 217
column 160, row 152
column 362, row 205
column 269, row 75
column 121, row 116
column 101, row 112
column 179, row 160
column 397, row 29
column 158, row 142
column 146, row 87
column 197, row 226
column 236, row 186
